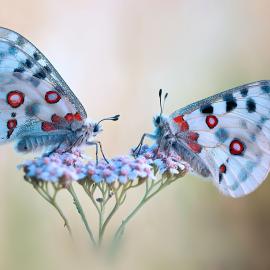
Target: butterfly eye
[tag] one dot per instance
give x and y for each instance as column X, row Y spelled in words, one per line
column 96, row 128
column 157, row 120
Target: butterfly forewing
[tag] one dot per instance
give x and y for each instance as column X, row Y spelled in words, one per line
column 17, row 54
column 230, row 132
column 37, row 108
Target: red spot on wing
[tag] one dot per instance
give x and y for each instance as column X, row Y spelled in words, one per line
column 15, row 99
column 77, row 117
column 236, row 147
column 211, row 121
column 55, row 118
column 47, row 126
column 12, row 123
column 52, row 97
column 193, row 136
column 183, row 125
column 69, row 117
column 195, row 147
column 178, row 119
column 222, row 168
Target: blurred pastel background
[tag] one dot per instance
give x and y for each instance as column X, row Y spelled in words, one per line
column 115, row 55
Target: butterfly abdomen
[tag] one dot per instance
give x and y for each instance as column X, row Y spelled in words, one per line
column 195, row 162
column 31, row 143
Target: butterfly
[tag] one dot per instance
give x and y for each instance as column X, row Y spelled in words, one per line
column 37, row 108
column 225, row 137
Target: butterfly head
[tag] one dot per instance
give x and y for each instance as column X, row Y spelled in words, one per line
column 96, row 128
column 159, row 121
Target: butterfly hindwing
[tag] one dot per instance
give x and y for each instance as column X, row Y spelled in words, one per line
column 230, row 133
column 22, row 105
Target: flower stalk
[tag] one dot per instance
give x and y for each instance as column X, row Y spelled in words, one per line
column 81, row 213
column 103, row 182
column 43, row 190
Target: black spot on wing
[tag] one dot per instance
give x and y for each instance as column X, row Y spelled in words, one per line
column 244, row 92
column 47, row 69
column 231, row 103
column 36, row 56
column 28, row 63
column 251, row 105
column 265, row 89
column 263, row 119
column 9, row 133
column 220, row 176
column 32, row 109
column 40, row 75
column 19, row 69
column 20, row 41
column 222, row 135
column 207, row 109
column 12, row 50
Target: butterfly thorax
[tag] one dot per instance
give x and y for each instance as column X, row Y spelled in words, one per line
column 163, row 133
column 81, row 133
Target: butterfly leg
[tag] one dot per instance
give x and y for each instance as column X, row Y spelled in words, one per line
column 158, row 148
column 101, row 150
column 98, row 144
column 75, row 143
column 137, row 150
column 53, row 150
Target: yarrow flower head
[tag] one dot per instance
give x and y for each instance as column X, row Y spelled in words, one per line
column 76, row 166
column 165, row 162
column 120, row 169
column 56, row 167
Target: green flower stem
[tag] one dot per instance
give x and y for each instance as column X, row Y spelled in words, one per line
column 149, row 193
column 100, row 206
column 103, row 190
column 118, row 202
column 66, row 223
column 90, row 192
column 81, row 212
column 51, row 200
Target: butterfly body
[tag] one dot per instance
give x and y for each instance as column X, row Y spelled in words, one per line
column 170, row 139
column 63, row 137
column 225, row 137
column 37, row 108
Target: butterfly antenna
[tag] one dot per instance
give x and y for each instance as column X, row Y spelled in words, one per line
column 112, row 118
column 165, row 97
column 160, row 102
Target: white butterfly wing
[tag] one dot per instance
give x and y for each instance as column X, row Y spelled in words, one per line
column 33, row 95
column 229, row 133
column 22, row 104
column 17, row 54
